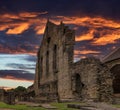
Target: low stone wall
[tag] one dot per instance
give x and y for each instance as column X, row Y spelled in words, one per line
column 7, row 96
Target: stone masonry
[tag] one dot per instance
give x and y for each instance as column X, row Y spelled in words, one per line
column 7, row 96
column 58, row 78
column 95, row 80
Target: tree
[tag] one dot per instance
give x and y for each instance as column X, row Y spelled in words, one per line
column 20, row 89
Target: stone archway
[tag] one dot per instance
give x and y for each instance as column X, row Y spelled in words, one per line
column 115, row 70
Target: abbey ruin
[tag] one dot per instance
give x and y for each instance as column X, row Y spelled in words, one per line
column 58, row 78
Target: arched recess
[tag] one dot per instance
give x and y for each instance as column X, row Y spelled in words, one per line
column 77, row 84
column 115, row 70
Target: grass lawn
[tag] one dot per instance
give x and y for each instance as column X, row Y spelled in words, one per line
column 19, row 107
column 60, row 106
column 118, row 106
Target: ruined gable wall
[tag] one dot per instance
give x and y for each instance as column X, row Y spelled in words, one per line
column 46, row 79
column 95, row 78
column 55, row 81
column 47, row 46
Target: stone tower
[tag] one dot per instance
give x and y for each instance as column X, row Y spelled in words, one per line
column 54, row 64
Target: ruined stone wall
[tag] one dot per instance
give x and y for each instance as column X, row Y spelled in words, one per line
column 114, row 67
column 7, row 96
column 66, row 64
column 55, row 59
column 95, row 78
column 58, row 78
column 37, row 79
column 2, row 94
column 112, row 63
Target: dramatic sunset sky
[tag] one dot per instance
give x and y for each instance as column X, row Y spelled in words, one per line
column 22, row 23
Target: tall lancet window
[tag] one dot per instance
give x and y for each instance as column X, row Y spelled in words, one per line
column 47, row 63
column 41, row 66
column 55, row 58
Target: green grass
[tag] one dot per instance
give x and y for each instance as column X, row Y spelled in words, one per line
column 19, row 107
column 60, row 106
column 116, row 105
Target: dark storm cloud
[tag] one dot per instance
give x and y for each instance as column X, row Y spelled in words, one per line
column 106, row 8
column 16, row 74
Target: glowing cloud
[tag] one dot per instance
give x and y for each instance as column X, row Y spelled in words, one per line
column 28, row 19
column 89, row 21
column 107, row 39
column 76, row 52
column 19, row 29
column 40, row 29
column 14, row 78
column 18, row 23
column 87, row 36
column 100, row 31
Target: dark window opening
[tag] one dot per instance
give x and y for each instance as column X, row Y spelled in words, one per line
column 64, row 31
column 41, row 66
column 55, row 58
column 48, row 40
column 78, row 84
column 47, row 63
column 116, row 81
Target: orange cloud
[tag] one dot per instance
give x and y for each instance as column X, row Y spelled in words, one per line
column 21, row 15
column 9, row 77
column 18, row 29
column 3, row 27
column 40, row 29
column 84, row 52
column 93, row 23
column 9, row 16
column 104, row 40
column 18, row 23
column 109, row 38
column 87, row 36
column 28, row 15
column 89, row 21
column 14, row 78
column 79, row 57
